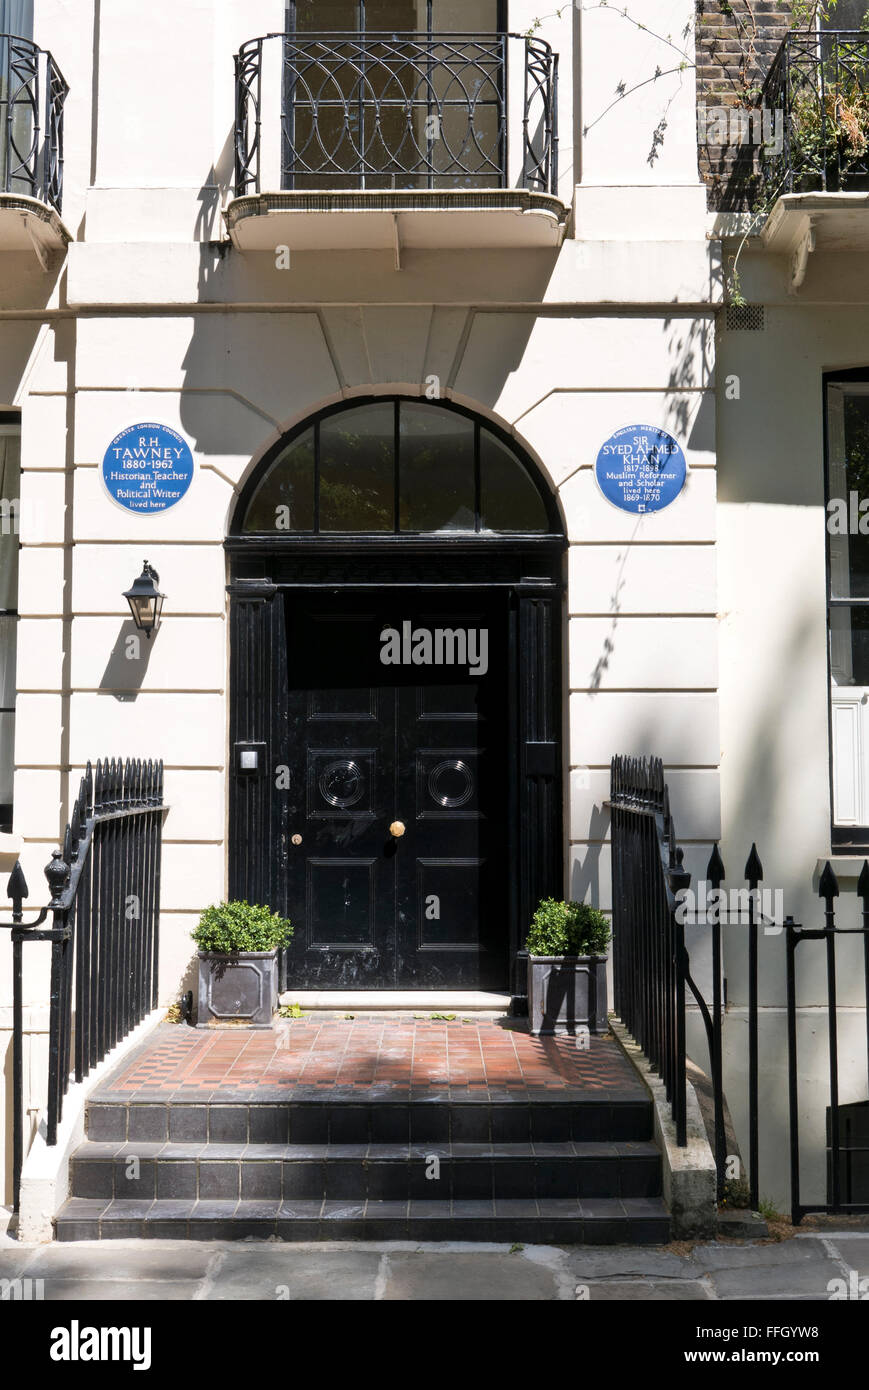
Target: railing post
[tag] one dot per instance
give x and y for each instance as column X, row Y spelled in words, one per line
column 57, row 873
column 679, row 879
column 715, row 877
column 754, row 876
column 16, row 890
column 828, row 889
column 863, row 894
column 791, row 940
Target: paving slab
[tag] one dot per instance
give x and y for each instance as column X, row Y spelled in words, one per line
column 799, row 1270
column 785, row 1254
column 468, row 1278
column 854, row 1250
column 341, row 1276
column 122, row 1260
column 624, row 1262
column 648, row 1291
column 118, row 1290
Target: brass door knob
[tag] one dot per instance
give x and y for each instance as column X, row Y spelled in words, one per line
column 396, row 830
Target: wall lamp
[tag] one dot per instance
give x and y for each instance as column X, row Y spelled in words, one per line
column 146, row 601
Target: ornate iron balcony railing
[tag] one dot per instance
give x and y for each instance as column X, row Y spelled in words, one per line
column 394, row 111
column 819, row 82
column 32, row 95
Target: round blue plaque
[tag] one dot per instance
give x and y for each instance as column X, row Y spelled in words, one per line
column 147, row 468
column 641, row 468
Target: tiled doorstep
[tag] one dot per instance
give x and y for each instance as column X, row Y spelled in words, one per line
column 637, row 1221
column 463, row 1170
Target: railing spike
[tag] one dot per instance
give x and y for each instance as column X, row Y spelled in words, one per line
column 829, row 885
column 715, row 868
column 753, row 867
column 16, row 888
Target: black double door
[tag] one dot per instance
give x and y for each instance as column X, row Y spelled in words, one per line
column 398, row 789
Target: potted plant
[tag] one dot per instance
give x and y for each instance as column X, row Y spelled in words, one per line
column 566, row 947
column 238, row 964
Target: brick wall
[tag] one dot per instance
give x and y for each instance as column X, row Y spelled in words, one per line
column 736, row 43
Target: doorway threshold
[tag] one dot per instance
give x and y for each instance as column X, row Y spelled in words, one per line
column 399, row 1001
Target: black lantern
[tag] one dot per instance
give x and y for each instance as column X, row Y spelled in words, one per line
column 146, row 601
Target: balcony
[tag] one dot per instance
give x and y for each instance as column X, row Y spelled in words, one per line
column 386, row 141
column 32, row 96
column 816, row 177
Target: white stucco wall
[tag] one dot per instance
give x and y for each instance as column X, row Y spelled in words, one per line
column 145, row 320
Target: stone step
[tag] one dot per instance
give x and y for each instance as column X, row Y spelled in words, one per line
column 363, row 1003
column 465, row 1171
column 386, row 1120
column 550, row 1221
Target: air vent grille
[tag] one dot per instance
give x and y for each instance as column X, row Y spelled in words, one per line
column 745, row 318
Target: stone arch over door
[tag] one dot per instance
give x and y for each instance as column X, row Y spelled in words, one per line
column 373, row 503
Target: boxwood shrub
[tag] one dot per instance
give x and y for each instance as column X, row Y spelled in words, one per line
column 239, row 926
column 567, row 929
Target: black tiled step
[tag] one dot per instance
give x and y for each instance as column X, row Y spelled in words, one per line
column 467, row 1171
column 635, row 1221
column 375, row 1120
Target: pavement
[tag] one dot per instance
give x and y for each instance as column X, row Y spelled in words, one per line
column 810, row 1266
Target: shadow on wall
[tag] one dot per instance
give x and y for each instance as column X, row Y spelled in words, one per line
column 248, row 377
column 127, row 664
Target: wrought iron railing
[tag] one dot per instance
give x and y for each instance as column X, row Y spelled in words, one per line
column 394, row 111
column 105, row 895
column 650, row 966
column 820, row 84
column 32, row 96
column 651, row 971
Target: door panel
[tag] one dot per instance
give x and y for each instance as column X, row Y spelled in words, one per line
column 372, row 744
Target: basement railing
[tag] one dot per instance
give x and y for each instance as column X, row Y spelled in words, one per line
column 32, row 96
column 105, row 896
column 651, row 973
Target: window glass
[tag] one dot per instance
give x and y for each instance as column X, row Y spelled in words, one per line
column 442, row 483
column 509, row 500
column 848, row 487
column 403, row 16
column 844, row 14
column 284, row 500
column 357, row 469
column 436, row 470
column 327, row 16
column 16, row 17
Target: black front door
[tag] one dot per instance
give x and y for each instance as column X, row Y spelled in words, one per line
column 398, row 790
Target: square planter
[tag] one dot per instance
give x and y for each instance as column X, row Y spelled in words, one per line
column 241, row 988
column 566, row 993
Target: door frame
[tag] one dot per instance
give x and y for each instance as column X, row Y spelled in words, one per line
column 531, row 567
column 258, row 704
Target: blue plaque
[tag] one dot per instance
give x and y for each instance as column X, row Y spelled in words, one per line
column 641, row 468
column 147, row 468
